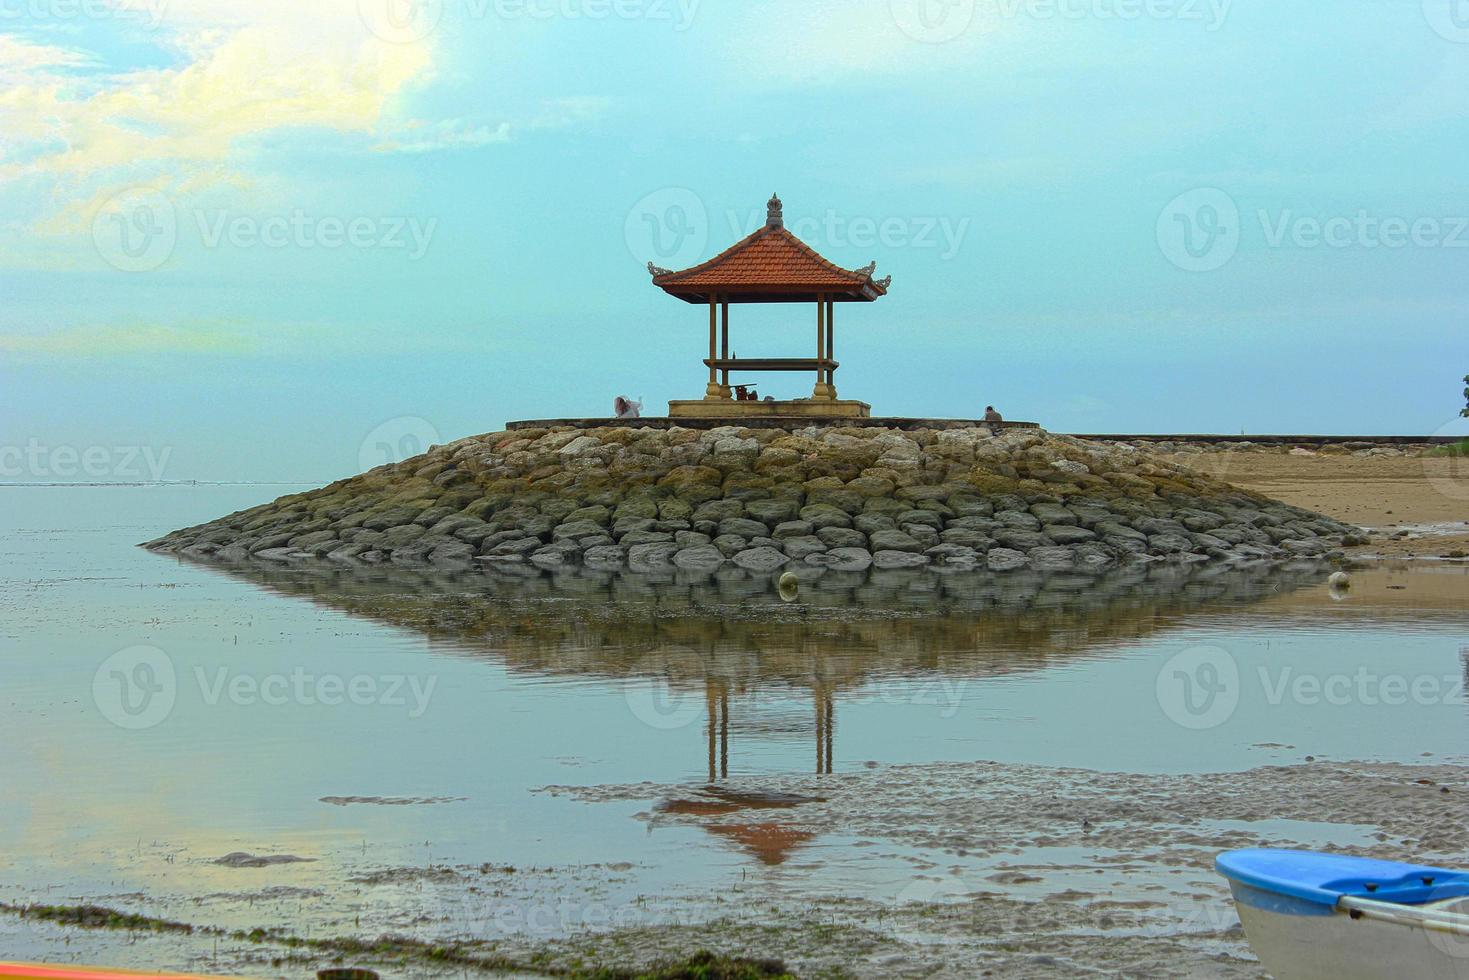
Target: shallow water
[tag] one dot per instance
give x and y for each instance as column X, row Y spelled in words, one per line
column 383, row 721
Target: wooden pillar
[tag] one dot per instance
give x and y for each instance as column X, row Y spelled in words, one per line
column 710, row 703
column 712, row 391
column 820, row 732
column 831, row 382
column 723, row 732
column 830, row 725
column 822, row 391
column 724, row 346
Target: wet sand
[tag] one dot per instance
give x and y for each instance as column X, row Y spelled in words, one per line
column 1005, row 870
column 1122, row 863
column 1414, row 506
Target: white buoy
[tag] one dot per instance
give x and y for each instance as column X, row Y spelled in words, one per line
column 788, row 585
column 1340, row 580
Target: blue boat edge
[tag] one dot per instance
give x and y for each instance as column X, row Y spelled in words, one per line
column 1295, row 882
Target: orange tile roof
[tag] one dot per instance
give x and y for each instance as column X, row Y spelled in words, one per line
column 772, row 265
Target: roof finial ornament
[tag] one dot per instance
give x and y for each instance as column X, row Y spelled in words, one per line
column 868, row 269
column 656, row 271
column 773, row 215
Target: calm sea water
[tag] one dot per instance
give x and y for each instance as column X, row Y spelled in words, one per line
column 159, row 715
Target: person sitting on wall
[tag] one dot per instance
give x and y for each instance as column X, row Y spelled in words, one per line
column 990, row 415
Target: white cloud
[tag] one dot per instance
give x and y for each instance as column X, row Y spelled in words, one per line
column 243, row 70
column 446, row 134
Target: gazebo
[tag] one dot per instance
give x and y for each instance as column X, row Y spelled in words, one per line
column 770, row 266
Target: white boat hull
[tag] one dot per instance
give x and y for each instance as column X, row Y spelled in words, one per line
column 1338, row 946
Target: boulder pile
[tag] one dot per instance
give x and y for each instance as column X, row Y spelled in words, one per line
column 824, row 496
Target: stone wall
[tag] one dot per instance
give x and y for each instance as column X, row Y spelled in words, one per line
column 829, row 496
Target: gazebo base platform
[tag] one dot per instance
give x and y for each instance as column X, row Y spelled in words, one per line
column 729, row 408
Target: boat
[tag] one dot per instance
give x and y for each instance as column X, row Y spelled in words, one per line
column 1319, row 916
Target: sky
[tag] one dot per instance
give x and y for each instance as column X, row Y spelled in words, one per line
column 291, row 239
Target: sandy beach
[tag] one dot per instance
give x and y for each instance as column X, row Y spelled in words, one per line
column 1414, row 506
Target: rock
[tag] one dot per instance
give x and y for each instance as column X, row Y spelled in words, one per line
column 1021, row 540
column 624, row 526
column 1017, row 519
column 555, row 555
column 731, row 544
column 1117, row 529
column 1051, row 559
column 651, row 555
column 515, row 546
column 924, row 534
column 580, row 446
column 744, row 527
column 1170, row 543
column 967, row 538
column 772, row 512
column 690, row 539
column 576, row 529
column 953, row 554
column 604, row 556
column 1094, row 556
column 825, row 515
column 347, row 552
column 842, row 559
column 898, row 559
column 699, row 556
column 474, row 533
column 760, row 559
column 595, row 514
column 799, row 547
column 867, row 523
column 1005, row 559
column 632, row 538
column 1066, row 534
column 792, row 529
column 894, row 541
column 307, row 542
column 392, row 517
column 1052, row 514
column 832, row 493
column 452, row 552
column 842, row 537
column 280, row 554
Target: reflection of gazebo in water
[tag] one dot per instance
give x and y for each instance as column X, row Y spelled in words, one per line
column 770, row 266
column 716, row 697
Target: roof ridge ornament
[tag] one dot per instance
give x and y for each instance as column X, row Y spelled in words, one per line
column 774, row 212
column 868, row 269
column 656, row 271
column 883, row 283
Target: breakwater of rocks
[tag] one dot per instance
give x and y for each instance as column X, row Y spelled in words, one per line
column 761, row 499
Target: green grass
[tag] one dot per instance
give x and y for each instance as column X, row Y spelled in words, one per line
column 95, row 917
column 388, row 950
column 1460, row 448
